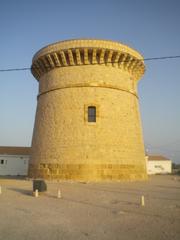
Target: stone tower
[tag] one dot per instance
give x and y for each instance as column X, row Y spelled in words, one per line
column 87, row 125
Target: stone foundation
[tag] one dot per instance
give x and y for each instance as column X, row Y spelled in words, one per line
column 84, row 172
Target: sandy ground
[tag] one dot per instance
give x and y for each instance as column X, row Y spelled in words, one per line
column 91, row 211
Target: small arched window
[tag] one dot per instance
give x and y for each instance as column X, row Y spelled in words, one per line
column 91, row 114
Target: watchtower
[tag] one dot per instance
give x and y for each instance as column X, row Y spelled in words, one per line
column 87, row 124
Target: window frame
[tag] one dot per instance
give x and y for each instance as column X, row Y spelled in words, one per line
column 86, row 113
column 91, row 114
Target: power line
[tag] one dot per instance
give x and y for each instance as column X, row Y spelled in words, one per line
column 145, row 59
column 14, row 69
column 160, row 58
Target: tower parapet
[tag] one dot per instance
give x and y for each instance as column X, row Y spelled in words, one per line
column 87, row 52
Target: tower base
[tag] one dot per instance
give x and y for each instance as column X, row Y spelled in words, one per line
column 87, row 172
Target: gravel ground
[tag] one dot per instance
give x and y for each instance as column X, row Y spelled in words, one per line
column 91, row 210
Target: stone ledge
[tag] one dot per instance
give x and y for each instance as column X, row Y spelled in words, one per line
column 88, row 85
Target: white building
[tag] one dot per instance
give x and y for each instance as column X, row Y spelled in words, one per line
column 14, row 161
column 157, row 164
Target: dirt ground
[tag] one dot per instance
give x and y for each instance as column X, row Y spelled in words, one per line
column 91, row 210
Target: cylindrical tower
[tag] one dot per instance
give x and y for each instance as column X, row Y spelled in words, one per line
column 87, row 125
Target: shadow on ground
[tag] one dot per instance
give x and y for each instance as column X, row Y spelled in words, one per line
column 22, row 191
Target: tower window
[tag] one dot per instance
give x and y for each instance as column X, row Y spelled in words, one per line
column 91, row 114
column 2, row 161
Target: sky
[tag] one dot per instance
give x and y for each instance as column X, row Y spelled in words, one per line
column 151, row 27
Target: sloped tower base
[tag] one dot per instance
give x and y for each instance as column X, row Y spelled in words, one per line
column 80, row 172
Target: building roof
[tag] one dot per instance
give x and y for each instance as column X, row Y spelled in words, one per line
column 157, row 158
column 15, row 150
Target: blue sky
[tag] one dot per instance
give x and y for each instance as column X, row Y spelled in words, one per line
column 151, row 27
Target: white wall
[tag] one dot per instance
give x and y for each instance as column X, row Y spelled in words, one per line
column 14, row 165
column 159, row 167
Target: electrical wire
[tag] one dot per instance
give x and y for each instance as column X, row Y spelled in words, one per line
column 145, row 59
column 14, row 69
